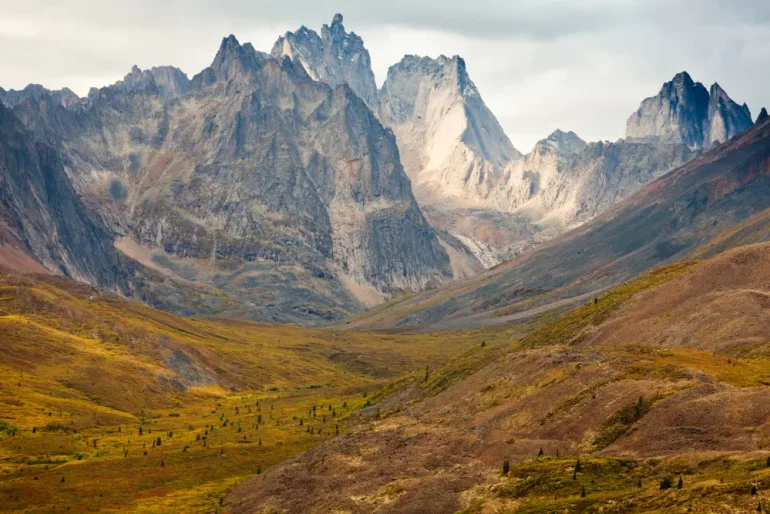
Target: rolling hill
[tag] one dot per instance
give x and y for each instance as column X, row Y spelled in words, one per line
column 603, row 409
column 110, row 405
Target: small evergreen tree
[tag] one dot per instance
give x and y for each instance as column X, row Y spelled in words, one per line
column 753, row 490
column 506, row 467
column 583, row 492
column 540, row 453
column 639, row 483
column 666, row 483
column 578, row 467
column 680, row 484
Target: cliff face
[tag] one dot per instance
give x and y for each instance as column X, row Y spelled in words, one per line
column 42, row 220
column 335, row 57
column 451, row 144
column 685, row 112
column 251, row 178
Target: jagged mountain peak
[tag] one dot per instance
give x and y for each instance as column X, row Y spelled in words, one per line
column 762, row 116
column 685, row 112
column 166, row 81
column 334, row 57
column 562, row 142
column 233, row 60
column 442, row 70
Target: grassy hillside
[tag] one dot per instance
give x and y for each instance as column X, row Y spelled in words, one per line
column 664, row 377
column 111, row 405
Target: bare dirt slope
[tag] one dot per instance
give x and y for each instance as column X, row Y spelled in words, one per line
column 666, row 375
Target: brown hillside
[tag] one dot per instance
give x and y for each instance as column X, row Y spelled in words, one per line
column 664, row 375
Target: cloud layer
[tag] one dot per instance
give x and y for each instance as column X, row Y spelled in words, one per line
column 582, row 65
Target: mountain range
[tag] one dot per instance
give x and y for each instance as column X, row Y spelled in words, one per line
column 287, row 187
column 582, row 328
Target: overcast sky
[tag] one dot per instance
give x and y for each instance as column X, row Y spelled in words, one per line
column 581, row 65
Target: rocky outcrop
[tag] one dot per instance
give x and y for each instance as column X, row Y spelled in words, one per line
column 685, row 112
column 335, row 57
column 452, row 146
column 281, row 191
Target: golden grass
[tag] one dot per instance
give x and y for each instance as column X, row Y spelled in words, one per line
column 82, row 371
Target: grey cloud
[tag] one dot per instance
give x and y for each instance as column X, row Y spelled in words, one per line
column 580, row 65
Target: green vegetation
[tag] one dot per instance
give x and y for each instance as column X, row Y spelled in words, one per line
column 617, row 426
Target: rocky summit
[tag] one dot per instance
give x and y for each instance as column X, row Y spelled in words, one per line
column 686, row 112
column 335, row 57
column 451, row 143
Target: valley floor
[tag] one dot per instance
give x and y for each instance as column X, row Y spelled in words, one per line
column 111, row 406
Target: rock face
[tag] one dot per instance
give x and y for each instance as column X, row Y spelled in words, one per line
column 452, row 146
column 42, row 220
column 686, row 112
column 280, row 191
column 335, row 57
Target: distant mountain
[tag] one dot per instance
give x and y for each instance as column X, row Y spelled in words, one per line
column 472, row 184
column 451, row 143
column 282, row 192
column 335, row 57
column 662, row 223
column 686, row 112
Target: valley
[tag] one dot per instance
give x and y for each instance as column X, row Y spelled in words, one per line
column 277, row 285
column 90, row 383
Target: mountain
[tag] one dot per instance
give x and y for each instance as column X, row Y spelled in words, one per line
column 335, row 57
column 44, row 227
column 452, row 146
column 283, row 193
column 470, row 181
column 686, row 112
column 662, row 380
column 762, row 116
column 663, row 222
